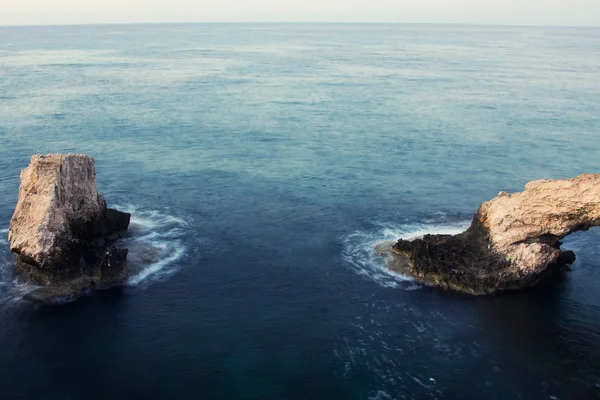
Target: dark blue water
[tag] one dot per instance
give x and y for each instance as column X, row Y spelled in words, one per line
column 262, row 163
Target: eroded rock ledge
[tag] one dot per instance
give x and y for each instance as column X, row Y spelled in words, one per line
column 61, row 228
column 513, row 241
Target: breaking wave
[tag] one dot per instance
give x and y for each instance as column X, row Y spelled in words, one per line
column 359, row 248
column 154, row 240
column 155, row 243
column 12, row 289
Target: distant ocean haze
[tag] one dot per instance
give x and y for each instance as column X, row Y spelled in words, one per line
column 262, row 163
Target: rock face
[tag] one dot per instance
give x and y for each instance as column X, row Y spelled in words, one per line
column 61, row 221
column 513, row 241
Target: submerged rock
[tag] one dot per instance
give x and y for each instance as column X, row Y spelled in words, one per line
column 513, row 241
column 61, row 223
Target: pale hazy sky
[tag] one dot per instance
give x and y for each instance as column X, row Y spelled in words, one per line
column 531, row 12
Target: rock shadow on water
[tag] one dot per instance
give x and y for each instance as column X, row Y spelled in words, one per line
column 398, row 263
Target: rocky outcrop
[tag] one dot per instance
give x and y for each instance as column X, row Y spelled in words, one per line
column 61, row 225
column 513, row 241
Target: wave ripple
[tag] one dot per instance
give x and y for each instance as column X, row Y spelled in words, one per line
column 154, row 240
column 3, row 236
column 155, row 244
column 359, row 249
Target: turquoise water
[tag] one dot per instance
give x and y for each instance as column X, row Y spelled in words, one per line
column 262, row 163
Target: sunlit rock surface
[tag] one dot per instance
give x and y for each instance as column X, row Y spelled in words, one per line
column 513, row 241
column 61, row 225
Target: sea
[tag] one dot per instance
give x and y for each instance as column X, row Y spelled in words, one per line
column 262, row 163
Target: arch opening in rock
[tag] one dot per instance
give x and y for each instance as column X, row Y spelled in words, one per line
column 514, row 240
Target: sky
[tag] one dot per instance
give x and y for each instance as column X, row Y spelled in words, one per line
column 517, row 12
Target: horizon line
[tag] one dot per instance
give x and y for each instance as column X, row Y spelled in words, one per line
column 294, row 23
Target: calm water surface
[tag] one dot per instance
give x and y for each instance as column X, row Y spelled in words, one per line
column 264, row 162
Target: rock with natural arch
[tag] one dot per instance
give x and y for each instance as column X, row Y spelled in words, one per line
column 513, row 241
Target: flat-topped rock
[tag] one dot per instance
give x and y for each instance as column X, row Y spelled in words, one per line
column 513, row 241
column 61, row 221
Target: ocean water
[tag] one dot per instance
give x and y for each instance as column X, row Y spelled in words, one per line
column 262, row 163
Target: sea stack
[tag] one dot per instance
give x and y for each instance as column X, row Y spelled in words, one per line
column 61, row 227
column 513, row 241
